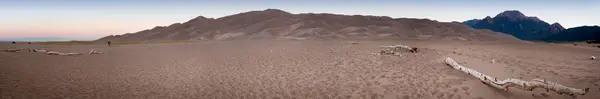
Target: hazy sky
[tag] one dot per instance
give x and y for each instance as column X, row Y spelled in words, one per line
column 97, row 18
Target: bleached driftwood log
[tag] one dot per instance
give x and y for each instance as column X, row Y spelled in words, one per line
column 39, row 50
column 12, row 50
column 94, row 52
column 62, row 54
column 9, row 50
column 518, row 83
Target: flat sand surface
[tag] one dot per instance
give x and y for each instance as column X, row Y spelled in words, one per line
column 293, row 69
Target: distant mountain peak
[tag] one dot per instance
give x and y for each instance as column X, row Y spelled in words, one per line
column 200, row 17
column 267, row 13
column 556, row 27
column 487, row 18
column 555, row 24
column 516, row 23
column 273, row 10
column 514, row 14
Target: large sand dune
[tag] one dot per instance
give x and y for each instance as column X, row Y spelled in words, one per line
column 278, row 24
column 293, row 69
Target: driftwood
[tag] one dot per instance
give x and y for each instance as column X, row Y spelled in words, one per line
column 12, row 50
column 62, row 54
column 518, row 83
column 94, row 52
column 39, row 50
column 49, row 52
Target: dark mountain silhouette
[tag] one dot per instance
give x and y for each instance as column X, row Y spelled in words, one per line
column 278, row 24
column 582, row 33
column 471, row 22
column 515, row 23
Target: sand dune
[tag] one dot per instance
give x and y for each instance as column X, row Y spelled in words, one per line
column 293, row 69
column 278, row 24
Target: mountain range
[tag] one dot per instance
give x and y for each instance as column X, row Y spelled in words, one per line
column 531, row 28
column 278, row 24
column 582, row 33
column 515, row 23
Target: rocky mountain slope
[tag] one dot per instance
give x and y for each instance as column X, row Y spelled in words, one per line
column 582, row 33
column 515, row 23
column 278, row 24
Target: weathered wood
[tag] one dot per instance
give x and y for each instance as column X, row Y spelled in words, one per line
column 94, row 52
column 62, row 54
column 517, row 83
column 39, row 50
column 11, row 50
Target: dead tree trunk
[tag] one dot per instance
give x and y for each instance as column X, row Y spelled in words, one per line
column 62, row 54
column 94, row 52
column 12, row 50
column 518, row 83
column 39, row 50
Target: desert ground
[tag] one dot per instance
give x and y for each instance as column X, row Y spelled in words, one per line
column 316, row 69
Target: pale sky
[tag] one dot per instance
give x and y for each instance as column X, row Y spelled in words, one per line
column 97, row 18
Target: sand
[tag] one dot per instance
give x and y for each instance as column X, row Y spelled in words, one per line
column 293, row 69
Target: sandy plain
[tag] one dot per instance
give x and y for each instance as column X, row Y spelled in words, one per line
column 286, row 69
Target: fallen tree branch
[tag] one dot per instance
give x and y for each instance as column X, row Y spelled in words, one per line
column 12, row 50
column 521, row 84
column 39, row 50
column 9, row 50
column 94, row 52
column 62, row 54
